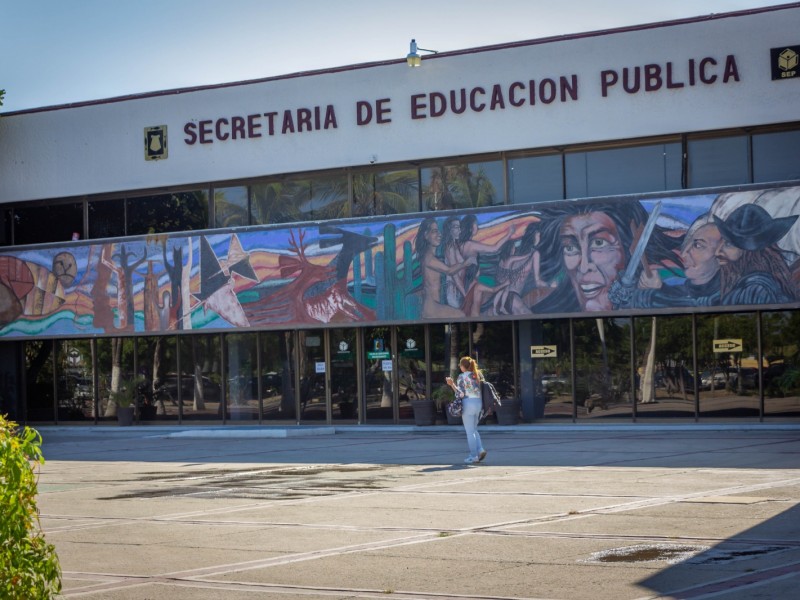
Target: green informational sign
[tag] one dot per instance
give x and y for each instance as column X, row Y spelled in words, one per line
column 378, row 355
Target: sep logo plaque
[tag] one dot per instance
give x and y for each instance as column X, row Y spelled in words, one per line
column 785, row 62
column 155, row 143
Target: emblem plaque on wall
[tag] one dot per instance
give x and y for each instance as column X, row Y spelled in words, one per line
column 155, row 142
column 785, row 62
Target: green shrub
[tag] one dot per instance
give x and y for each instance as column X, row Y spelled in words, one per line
column 29, row 567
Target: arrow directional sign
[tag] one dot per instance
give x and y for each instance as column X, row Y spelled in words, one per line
column 544, row 352
column 728, row 345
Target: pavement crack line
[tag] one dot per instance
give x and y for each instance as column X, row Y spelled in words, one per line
column 610, row 509
column 113, row 582
column 223, row 569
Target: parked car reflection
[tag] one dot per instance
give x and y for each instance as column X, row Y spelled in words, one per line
column 211, row 390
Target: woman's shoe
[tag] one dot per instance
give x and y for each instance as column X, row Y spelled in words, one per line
column 482, row 455
column 471, row 459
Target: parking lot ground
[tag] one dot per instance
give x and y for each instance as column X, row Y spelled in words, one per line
column 596, row 513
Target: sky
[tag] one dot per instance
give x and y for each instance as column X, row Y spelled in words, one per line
column 56, row 52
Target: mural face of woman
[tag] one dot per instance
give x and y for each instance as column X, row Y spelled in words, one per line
column 433, row 236
column 593, row 257
column 699, row 254
column 455, row 230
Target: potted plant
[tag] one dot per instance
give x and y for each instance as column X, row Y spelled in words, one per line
column 424, row 409
column 507, row 410
column 124, row 398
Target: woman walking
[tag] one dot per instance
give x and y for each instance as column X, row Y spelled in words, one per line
column 468, row 388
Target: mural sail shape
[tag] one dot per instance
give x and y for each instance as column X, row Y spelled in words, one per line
column 737, row 249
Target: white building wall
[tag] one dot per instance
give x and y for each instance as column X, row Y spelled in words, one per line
column 99, row 148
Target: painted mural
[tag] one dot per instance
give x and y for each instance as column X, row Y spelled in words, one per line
column 736, row 249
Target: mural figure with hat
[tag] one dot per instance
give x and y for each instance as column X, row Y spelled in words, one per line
column 700, row 268
column 752, row 268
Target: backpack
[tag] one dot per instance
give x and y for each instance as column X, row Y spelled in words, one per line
column 489, row 397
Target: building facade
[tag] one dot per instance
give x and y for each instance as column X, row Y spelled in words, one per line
column 606, row 221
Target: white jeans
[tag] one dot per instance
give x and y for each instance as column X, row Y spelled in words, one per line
column 470, row 413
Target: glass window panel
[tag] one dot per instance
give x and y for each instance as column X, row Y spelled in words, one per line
column 75, row 389
column 781, row 363
column 241, row 380
column 577, row 175
column 728, row 380
column 6, row 221
column 278, row 201
column 378, row 384
column 63, row 222
column 114, row 368
column 664, row 381
column 39, row 380
column 107, row 218
column 465, row 185
column 157, row 367
column 313, row 403
column 546, row 379
column 183, row 211
column 775, row 156
column 230, row 207
column 344, row 376
column 328, row 199
column 535, row 179
column 277, row 375
column 385, row 193
column 200, row 378
column 366, row 201
column 623, row 170
column 448, row 344
column 603, row 368
column 718, row 161
column 398, row 191
column 411, row 368
column 11, row 400
column 493, row 348
column 300, row 200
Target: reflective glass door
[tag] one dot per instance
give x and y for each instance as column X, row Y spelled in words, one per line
column 603, row 368
column 781, row 363
column 727, row 349
column 277, row 375
column 344, row 374
column 411, row 369
column 313, row 376
column 378, row 375
column 664, row 363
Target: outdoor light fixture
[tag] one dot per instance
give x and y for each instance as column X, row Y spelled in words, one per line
column 413, row 58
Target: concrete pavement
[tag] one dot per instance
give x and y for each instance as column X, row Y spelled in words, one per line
column 610, row 512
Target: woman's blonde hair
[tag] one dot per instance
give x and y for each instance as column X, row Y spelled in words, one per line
column 471, row 365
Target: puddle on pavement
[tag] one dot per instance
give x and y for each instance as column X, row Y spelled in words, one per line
column 284, row 483
column 676, row 553
column 670, row 553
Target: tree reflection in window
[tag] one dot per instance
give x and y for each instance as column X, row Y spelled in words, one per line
column 293, row 200
column 464, row 185
column 385, row 193
column 180, row 211
column 230, row 207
